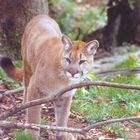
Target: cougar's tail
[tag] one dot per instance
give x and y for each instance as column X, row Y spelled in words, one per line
column 10, row 69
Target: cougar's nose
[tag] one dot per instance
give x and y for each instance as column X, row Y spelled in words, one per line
column 74, row 72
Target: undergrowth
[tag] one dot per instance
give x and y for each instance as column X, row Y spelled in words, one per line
column 77, row 20
column 102, row 103
column 21, row 135
column 8, row 82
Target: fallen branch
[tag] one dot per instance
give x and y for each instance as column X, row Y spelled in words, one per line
column 103, row 73
column 5, row 124
column 60, row 93
column 120, row 71
column 86, row 129
column 11, row 92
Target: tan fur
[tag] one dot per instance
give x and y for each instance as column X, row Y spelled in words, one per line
column 15, row 73
column 10, row 69
column 51, row 61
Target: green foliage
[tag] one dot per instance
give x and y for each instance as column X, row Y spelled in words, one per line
column 3, row 75
column 73, row 17
column 130, row 62
column 12, row 118
column 19, row 63
column 12, row 84
column 133, row 59
column 44, row 121
column 100, row 103
column 21, row 135
column 117, row 128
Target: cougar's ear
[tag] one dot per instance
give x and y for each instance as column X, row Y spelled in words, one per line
column 91, row 47
column 66, row 42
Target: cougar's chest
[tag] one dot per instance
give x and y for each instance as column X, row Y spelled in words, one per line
column 53, row 85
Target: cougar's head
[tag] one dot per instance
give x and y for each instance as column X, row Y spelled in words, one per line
column 78, row 57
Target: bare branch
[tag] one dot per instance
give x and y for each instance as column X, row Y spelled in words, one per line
column 86, row 129
column 5, row 124
column 120, row 71
column 61, row 92
column 103, row 73
column 10, row 92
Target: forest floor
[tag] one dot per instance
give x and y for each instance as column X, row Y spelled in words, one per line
column 48, row 118
column 10, row 101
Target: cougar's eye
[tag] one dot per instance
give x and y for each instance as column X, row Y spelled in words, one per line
column 68, row 60
column 82, row 61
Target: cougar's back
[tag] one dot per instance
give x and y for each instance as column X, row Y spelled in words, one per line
column 36, row 33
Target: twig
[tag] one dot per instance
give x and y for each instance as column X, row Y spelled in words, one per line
column 86, row 129
column 120, row 71
column 17, row 98
column 10, row 92
column 61, row 92
column 2, row 90
column 5, row 124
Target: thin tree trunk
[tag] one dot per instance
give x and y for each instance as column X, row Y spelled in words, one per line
column 14, row 15
column 137, row 38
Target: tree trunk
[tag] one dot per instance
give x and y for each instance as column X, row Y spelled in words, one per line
column 14, row 15
column 137, row 38
column 123, row 24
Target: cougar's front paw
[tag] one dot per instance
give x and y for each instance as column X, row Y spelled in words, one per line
column 66, row 136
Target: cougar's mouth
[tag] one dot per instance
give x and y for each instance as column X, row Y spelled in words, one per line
column 76, row 77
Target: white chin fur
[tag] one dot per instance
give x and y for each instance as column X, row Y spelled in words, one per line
column 73, row 79
column 68, row 74
column 78, row 75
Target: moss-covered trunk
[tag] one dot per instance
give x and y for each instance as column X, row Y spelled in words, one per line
column 14, row 15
